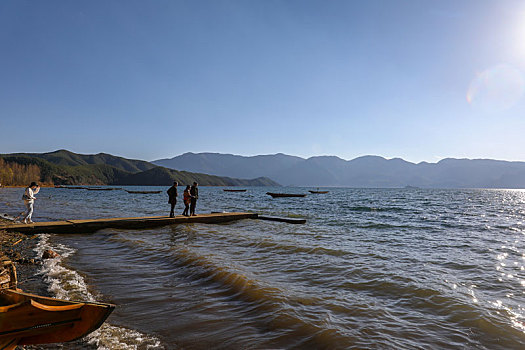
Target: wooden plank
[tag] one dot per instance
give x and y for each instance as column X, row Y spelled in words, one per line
column 278, row 219
column 87, row 226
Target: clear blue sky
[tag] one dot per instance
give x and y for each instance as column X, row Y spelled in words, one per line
column 416, row 79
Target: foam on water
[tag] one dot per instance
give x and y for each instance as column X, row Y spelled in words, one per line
column 65, row 283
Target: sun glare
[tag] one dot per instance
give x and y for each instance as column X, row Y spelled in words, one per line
column 496, row 89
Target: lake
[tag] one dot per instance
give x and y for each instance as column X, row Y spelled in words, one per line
column 371, row 268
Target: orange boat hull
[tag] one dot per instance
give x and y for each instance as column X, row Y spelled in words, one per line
column 27, row 319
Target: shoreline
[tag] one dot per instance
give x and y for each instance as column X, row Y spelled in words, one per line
column 20, row 249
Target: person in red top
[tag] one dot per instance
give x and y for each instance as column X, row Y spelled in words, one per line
column 187, row 200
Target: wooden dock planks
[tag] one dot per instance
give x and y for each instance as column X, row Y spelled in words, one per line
column 278, row 219
column 87, row 226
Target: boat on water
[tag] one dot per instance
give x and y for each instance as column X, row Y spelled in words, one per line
column 279, row 195
column 29, row 319
column 233, row 190
column 318, row 192
column 143, row 192
column 103, row 189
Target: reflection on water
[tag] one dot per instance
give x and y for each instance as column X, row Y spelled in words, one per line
column 397, row 268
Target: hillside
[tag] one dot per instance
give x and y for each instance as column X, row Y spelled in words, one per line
column 67, row 158
column 161, row 175
column 68, row 168
column 367, row 171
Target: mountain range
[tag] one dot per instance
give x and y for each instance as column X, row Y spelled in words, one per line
column 63, row 167
column 67, row 168
column 367, row 171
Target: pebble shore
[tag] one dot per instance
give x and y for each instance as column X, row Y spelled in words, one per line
column 20, row 249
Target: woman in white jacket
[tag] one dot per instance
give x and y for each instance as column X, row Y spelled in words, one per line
column 29, row 200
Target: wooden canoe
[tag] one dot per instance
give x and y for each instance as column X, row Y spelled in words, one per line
column 143, row 192
column 231, row 190
column 27, row 319
column 103, row 189
column 279, row 195
column 318, row 192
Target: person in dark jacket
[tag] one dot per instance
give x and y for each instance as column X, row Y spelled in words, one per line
column 172, row 195
column 194, row 192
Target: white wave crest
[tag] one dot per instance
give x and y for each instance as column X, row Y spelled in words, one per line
column 65, row 283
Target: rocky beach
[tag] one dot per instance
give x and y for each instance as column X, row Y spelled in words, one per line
column 20, row 249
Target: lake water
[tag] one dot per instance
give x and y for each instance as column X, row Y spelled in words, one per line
column 371, row 268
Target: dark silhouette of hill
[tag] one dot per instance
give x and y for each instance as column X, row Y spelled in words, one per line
column 67, row 158
column 161, row 175
column 67, row 168
column 367, row 171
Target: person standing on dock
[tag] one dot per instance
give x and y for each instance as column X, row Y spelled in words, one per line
column 29, row 200
column 172, row 193
column 187, row 200
column 194, row 192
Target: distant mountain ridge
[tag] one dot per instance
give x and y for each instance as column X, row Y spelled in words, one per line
column 366, row 171
column 63, row 167
column 227, row 164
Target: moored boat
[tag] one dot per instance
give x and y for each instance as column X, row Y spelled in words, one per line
column 279, row 195
column 318, row 192
column 143, row 192
column 27, row 319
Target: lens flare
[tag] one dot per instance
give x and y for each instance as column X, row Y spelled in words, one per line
column 496, row 89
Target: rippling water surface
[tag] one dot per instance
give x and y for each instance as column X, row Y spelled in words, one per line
column 371, row 268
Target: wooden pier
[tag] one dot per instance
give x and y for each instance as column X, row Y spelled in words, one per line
column 278, row 219
column 88, row 226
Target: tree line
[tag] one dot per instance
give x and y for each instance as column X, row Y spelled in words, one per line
column 15, row 174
